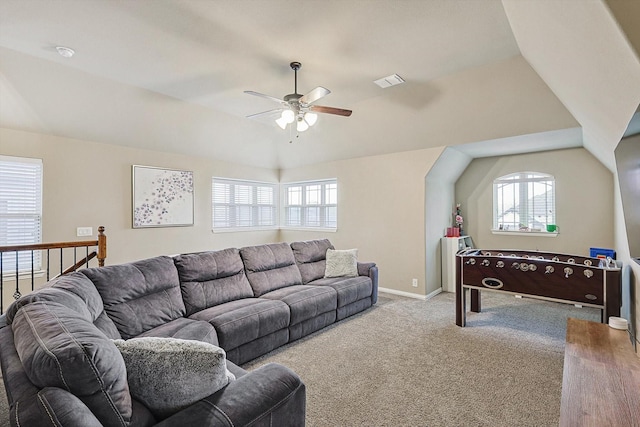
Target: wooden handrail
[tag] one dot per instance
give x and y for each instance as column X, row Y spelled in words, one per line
column 101, row 243
column 80, row 263
column 58, row 245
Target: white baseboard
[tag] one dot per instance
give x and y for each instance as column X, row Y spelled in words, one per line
column 434, row 293
column 403, row 293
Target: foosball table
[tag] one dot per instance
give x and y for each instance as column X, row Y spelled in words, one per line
column 569, row 279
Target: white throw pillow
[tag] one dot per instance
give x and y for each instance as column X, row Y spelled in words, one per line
column 170, row 374
column 341, row 263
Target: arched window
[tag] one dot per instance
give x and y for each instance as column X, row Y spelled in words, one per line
column 524, row 201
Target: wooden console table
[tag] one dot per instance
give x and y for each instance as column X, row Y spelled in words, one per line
column 601, row 377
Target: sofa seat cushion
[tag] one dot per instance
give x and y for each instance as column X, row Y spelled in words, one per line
column 60, row 348
column 168, row 374
column 270, row 267
column 211, row 278
column 311, row 256
column 305, row 302
column 350, row 289
column 186, row 329
column 242, row 321
column 139, row 296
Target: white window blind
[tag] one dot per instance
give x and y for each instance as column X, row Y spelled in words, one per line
column 311, row 204
column 524, row 201
column 20, row 210
column 243, row 204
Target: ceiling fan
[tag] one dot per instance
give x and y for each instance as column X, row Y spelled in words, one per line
column 298, row 108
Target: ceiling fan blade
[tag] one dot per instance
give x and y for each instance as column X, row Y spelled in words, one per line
column 330, row 110
column 314, row 95
column 262, row 95
column 264, row 113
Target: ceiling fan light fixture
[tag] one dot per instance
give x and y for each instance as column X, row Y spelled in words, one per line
column 302, row 125
column 310, row 118
column 288, row 116
column 282, row 123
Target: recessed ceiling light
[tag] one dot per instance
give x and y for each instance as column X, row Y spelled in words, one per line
column 389, row 81
column 66, row 52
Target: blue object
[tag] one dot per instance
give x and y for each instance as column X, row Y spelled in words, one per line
column 602, row 253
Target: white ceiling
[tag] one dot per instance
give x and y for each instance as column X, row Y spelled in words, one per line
column 170, row 75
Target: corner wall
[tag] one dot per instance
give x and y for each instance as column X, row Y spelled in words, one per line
column 439, row 203
column 381, row 211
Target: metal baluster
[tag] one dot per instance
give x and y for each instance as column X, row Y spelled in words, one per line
column 32, row 275
column 75, row 256
column 87, row 256
column 17, row 294
column 61, row 267
column 48, row 266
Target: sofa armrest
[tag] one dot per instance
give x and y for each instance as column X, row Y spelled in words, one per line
column 272, row 395
column 364, row 267
column 370, row 269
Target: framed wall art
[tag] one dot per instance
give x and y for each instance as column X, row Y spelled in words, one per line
column 162, row 197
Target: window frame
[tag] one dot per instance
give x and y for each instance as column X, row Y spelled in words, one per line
column 325, row 223
column 525, row 179
column 31, row 210
column 253, row 206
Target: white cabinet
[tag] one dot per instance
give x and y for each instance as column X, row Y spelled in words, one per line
column 449, row 246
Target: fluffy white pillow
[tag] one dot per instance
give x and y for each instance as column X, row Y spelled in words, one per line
column 170, row 374
column 341, row 263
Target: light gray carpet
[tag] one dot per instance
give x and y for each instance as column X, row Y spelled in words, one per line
column 405, row 363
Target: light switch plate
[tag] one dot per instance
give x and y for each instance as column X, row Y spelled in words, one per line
column 84, row 231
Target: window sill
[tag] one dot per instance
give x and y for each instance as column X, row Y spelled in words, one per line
column 325, row 230
column 243, row 229
column 526, row 233
column 11, row 276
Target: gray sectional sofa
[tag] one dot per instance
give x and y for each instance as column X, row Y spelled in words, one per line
column 61, row 367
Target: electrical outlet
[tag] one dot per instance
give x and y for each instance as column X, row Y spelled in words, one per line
column 415, row 283
column 84, row 231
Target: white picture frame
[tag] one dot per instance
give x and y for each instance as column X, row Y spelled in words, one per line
column 161, row 197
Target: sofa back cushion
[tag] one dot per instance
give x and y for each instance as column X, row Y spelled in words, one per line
column 58, row 347
column 270, row 267
column 76, row 292
column 211, row 278
column 311, row 258
column 139, row 296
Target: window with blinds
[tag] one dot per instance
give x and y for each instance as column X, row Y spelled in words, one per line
column 311, row 204
column 524, row 201
column 243, row 205
column 20, row 210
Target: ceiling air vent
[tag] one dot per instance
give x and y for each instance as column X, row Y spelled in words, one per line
column 389, row 81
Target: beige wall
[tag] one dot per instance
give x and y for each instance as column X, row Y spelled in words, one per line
column 584, row 200
column 89, row 184
column 381, row 211
column 382, row 202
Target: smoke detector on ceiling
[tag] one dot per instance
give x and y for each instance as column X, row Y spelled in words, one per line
column 65, row 52
column 389, row 81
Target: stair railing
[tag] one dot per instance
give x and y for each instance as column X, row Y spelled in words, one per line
column 99, row 251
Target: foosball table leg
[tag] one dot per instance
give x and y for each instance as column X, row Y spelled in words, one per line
column 475, row 301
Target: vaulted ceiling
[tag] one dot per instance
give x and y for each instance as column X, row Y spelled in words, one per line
column 170, row 75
